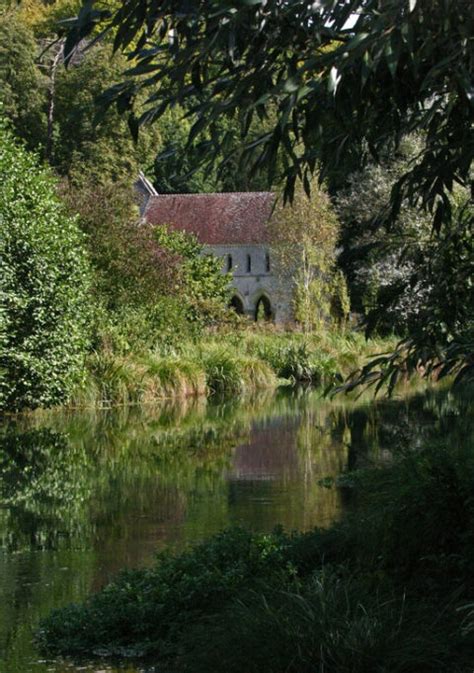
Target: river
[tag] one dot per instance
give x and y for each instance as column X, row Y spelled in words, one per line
column 85, row 494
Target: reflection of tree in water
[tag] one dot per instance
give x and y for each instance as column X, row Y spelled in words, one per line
column 142, row 473
column 388, row 426
column 343, row 435
column 323, row 452
column 65, row 475
column 44, row 485
column 100, row 490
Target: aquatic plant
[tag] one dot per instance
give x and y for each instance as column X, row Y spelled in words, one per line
column 228, row 364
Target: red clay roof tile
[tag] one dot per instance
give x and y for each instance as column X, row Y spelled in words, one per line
column 228, row 218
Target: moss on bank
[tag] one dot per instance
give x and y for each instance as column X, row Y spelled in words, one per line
column 229, row 364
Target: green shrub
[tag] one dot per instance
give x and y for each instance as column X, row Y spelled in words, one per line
column 161, row 327
column 149, row 610
column 44, row 281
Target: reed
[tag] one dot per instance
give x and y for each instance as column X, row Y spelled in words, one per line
column 226, row 364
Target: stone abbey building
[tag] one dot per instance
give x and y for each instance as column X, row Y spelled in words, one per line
column 232, row 226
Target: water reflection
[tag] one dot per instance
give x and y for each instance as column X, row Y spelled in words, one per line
column 83, row 495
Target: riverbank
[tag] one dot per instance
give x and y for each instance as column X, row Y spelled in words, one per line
column 230, row 364
column 387, row 589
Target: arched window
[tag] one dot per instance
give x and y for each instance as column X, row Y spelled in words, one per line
column 237, row 304
column 267, row 262
column 249, row 264
column 263, row 309
column 229, row 263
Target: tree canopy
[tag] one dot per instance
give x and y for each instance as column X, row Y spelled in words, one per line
column 304, row 238
column 344, row 79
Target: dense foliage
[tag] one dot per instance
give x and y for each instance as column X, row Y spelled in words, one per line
column 321, row 99
column 201, row 284
column 305, row 235
column 44, row 283
column 393, row 275
column 57, row 111
column 152, row 288
column 375, row 71
column 336, row 83
column 22, row 84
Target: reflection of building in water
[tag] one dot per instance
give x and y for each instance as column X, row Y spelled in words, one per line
column 269, row 454
column 274, row 475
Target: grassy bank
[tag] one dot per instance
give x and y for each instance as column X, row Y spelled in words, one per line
column 388, row 589
column 231, row 363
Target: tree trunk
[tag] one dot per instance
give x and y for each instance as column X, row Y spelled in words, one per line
column 52, row 86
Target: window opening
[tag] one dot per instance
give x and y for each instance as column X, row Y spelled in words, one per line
column 263, row 309
column 237, row 304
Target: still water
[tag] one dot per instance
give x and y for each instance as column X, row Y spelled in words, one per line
column 83, row 495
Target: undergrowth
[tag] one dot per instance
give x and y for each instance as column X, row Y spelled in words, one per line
column 226, row 364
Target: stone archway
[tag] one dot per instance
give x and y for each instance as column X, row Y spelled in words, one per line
column 263, row 308
column 237, row 304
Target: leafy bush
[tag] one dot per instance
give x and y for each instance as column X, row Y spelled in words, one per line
column 148, row 610
column 44, row 281
column 155, row 288
column 203, row 289
column 159, row 328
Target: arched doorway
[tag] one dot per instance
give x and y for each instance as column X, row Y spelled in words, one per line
column 263, row 309
column 237, row 305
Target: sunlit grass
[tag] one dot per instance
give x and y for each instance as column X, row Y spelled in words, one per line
column 224, row 364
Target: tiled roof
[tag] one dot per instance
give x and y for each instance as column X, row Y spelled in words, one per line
column 229, row 218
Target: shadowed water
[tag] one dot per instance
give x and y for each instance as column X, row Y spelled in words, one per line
column 83, row 495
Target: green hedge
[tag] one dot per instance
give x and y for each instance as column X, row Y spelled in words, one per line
column 44, row 280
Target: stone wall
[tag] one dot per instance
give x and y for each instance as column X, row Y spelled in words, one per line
column 254, row 277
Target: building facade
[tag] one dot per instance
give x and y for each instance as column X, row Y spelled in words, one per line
column 233, row 227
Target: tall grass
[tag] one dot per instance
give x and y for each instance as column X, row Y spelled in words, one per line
column 318, row 359
column 334, row 624
column 228, row 364
column 229, row 373
column 172, row 377
column 110, row 380
column 114, row 380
